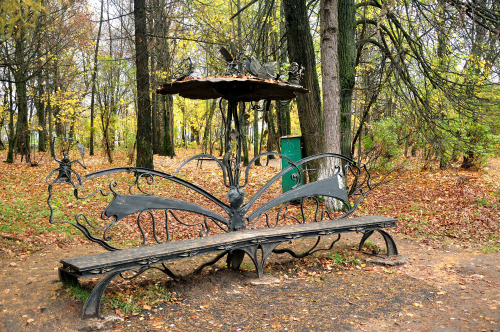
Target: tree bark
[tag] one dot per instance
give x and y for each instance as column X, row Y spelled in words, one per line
column 283, row 108
column 94, row 75
column 301, row 50
column 272, row 138
column 256, row 135
column 22, row 140
column 2, row 121
column 155, row 124
column 331, row 88
column 243, row 132
column 12, row 134
column 144, row 145
column 168, row 138
column 347, row 70
column 207, row 133
column 330, row 74
column 161, row 100
column 40, row 110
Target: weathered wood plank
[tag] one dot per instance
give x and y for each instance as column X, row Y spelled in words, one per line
column 127, row 259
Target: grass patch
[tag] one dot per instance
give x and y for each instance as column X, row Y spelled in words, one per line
column 132, row 300
column 247, row 266
column 485, row 202
column 491, row 249
column 492, row 245
column 77, row 292
column 122, row 303
column 136, row 299
column 342, row 259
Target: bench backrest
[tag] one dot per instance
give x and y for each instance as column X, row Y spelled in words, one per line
column 130, row 206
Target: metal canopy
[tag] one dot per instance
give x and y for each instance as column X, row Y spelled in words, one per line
column 232, row 88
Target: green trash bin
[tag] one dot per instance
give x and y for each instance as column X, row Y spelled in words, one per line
column 291, row 146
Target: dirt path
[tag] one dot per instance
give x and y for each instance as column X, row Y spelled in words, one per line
column 437, row 290
column 29, row 289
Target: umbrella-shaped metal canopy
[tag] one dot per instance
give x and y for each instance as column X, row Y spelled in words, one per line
column 232, row 88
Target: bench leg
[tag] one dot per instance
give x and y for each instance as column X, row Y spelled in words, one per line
column 266, row 248
column 392, row 249
column 234, row 259
column 92, row 305
column 67, row 278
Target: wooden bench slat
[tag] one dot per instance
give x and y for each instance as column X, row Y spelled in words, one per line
column 143, row 256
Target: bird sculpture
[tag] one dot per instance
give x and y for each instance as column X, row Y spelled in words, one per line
column 265, row 71
column 295, row 73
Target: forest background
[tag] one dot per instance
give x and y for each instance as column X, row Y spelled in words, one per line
column 395, row 77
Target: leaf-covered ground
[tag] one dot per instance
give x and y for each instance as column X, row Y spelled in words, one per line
column 448, row 205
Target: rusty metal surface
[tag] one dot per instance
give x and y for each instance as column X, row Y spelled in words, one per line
column 232, row 88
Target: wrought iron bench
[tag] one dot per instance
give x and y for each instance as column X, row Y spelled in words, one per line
column 158, row 228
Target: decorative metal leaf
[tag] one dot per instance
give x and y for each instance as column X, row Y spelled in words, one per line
column 226, row 55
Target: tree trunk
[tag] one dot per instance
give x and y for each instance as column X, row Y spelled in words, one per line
column 144, row 145
column 12, row 134
column 301, row 50
column 50, row 116
column 256, row 135
column 272, row 138
column 207, row 133
column 183, row 127
column 283, row 107
column 105, row 116
column 243, row 133
column 168, row 117
column 330, row 73
column 154, row 123
column 22, row 130
column 331, row 88
column 40, row 110
column 56, row 110
column 161, row 100
column 94, row 75
column 283, row 118
column 347, row 70
column 2, row 121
